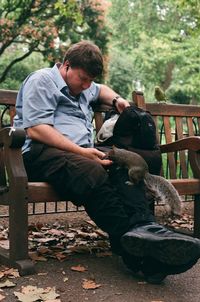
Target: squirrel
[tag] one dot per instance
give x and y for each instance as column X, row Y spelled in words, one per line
column 158, row 186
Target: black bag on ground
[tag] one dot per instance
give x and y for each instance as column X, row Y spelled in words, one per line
column 135, row 128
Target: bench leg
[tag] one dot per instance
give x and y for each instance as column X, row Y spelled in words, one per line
column 25, row 267
column 197, row 216
column 17, row 255
column 18, row 233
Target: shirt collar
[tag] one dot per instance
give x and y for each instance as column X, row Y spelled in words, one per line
column 60, row 83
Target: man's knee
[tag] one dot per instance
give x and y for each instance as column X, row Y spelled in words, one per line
column 94, row 174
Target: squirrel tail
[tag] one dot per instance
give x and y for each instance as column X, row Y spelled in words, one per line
column 164, row 191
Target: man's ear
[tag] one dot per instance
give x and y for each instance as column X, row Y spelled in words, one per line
column 67, row 65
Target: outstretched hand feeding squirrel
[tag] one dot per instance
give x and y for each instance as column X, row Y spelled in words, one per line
column 160, row 187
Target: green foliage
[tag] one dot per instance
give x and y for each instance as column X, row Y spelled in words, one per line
column 162, row 37
column 120, row 72
column 47, row 27
column 20, row 71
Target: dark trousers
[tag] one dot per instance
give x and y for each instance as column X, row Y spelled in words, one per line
column 112, row 204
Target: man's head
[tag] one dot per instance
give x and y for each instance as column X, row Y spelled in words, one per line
column 82, row 63
column 87, row 56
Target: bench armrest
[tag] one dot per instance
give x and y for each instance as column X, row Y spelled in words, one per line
column 191, row 143
column 12, row 137
column 11, row 141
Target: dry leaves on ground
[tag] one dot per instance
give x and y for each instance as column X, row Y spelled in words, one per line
column 184, row 223
column 7, row 283
column 5, row 274
column 2, row 297
column 33, row 293
column 79, row 268
column 90, row 284
column 8, row 273
column 57, row 241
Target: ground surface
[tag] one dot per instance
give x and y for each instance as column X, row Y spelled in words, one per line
column 89, row 273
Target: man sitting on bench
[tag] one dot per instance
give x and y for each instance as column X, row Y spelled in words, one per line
column 54, row 107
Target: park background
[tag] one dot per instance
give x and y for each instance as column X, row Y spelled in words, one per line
column 146, row 43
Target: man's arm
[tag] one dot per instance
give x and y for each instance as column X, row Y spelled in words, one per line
column 107, row 95
column 49, row 135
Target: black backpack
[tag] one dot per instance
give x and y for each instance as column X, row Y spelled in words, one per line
column 135, row 128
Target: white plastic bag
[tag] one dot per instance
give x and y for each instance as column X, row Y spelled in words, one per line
column 106, row 130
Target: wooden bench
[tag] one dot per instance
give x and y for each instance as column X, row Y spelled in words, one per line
column 178, row 130
column 16, row 192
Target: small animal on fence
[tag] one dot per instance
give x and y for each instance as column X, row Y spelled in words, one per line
column 161, row 189
column 160, row 95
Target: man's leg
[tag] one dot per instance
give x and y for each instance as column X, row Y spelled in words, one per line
column 84, row 182
column 157, row 260
column 147, row 238
column 79, row 179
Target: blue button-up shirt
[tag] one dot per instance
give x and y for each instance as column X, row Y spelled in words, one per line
column 44, row 98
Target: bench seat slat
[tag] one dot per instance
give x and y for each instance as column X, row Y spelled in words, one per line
column 41, row 192
column 186, row 186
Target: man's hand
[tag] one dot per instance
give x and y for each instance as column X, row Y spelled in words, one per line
column 121, row 104
column 96, row 155
column 107, row 95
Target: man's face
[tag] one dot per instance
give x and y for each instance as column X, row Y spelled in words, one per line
column 77, row 79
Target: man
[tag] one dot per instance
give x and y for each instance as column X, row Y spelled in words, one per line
column 54, row 107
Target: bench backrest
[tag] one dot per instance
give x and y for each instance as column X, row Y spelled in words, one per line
column 8, row 101
column 173, row 122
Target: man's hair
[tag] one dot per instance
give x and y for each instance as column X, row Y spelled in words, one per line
column 87, row 56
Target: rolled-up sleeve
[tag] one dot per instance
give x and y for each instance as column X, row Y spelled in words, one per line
column 39, row 101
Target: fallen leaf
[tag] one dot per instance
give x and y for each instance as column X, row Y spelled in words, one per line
column 87, row 235
column 35, row 257
column 43, row 250
column 101, row 233
column 1, row 297
column 104, row 254
column 80, row 249
column 56, row 232
column 90, row 284
column 61, row 256
column 91, row 222
column 7, row 283
column 33, row 293
column 46, row 240
column 11, row 273
column 79, row 268
column 4, row 244
column 50, row 294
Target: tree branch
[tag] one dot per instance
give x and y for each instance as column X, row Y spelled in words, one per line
column 6, row 70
